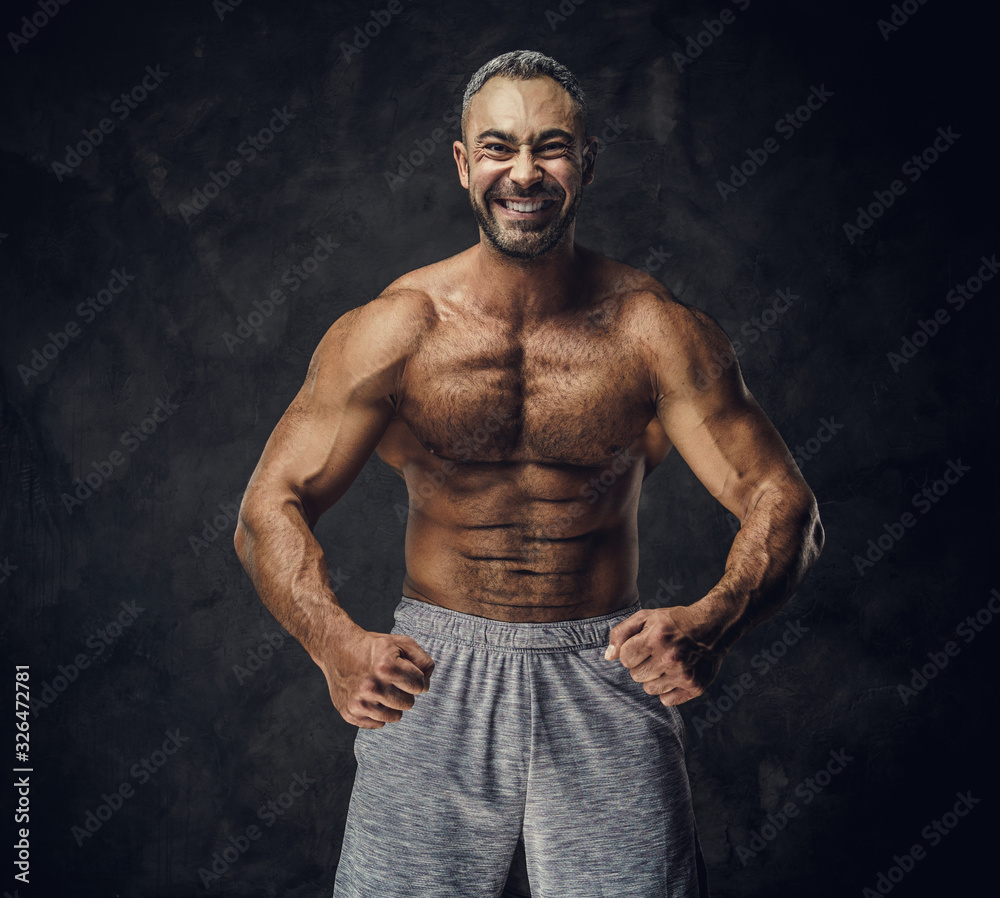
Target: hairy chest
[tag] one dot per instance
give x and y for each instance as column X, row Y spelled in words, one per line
column 573, row 393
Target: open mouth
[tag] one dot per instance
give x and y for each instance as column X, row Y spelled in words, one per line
column 524, row 208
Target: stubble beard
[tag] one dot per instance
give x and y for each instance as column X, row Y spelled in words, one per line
column 523, row 240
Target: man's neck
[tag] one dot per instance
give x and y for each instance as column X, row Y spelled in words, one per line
column 528, row 290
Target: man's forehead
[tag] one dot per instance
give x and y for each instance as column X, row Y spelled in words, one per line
column 522, row 107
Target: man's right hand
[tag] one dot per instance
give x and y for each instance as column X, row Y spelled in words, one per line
column 373, row 677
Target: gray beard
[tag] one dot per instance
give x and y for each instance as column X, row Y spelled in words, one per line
column 521, row 243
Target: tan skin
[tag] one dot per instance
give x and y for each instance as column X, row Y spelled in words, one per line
column 523, row 400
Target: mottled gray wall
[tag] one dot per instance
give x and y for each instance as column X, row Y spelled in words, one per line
column 671, row 132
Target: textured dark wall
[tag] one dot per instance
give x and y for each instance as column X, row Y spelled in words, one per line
column 194, row 658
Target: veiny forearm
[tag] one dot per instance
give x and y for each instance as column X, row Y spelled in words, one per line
column 780, row 539
column 275, row 543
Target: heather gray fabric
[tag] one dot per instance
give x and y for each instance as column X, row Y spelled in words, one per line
column 526, row 733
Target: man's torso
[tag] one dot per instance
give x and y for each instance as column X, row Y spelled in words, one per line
column 523, row 447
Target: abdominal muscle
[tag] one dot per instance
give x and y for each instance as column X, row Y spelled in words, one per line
column 523, row 541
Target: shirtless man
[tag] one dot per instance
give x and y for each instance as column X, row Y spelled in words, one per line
column 523, row 389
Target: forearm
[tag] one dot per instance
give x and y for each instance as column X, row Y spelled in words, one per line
column 779, row 541
column 278, row 550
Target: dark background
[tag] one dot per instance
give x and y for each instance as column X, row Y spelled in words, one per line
column 197, row 661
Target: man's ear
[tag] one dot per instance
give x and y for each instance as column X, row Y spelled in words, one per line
column 589, row 159
column 462, row 161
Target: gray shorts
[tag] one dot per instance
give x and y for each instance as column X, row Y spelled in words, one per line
column 527, row 735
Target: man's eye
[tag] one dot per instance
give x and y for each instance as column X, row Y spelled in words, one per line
column 553, row 148
column 497, row 148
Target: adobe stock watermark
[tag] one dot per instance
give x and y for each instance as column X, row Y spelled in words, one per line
column 933, row 834
column 424, row 148
column 752, row 329
column 656, row 259
column 88, row 310
column 810, row 448
column 258, row 656
column 807, row 790
column 46, row 12
column 222, row 7
column 561, row 526
column 131, row 439
column 123, row 107
column 967, row 630
column 914, row 168
column 218, row 526
column 667, row 589
column 141, row 771
column 787, row 126
column 463, row 450
column 611, row 133
column 293, row 278
column 802, row 453
column 929, row 328
column 923, row 500
column 762, row 663
column 98, row 642
column 6, row 569
column 377, row 21
column 248, row 150
column 901, row 14
column 698, row 43
column 268, row 813
column 566, row 8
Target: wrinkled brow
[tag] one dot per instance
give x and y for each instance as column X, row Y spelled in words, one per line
column 507, row 137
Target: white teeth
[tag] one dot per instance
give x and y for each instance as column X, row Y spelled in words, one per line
column 525, row 207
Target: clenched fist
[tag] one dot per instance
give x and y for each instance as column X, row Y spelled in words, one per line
column 373, row 677
column 657, row 647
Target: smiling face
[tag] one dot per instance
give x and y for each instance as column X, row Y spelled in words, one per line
column 525, row 164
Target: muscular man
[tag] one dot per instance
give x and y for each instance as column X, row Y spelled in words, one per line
column 523, row 389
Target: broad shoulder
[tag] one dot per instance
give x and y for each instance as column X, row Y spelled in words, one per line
column 366, row 349
column 394, row 323
column 683, row 347
column 642, row 302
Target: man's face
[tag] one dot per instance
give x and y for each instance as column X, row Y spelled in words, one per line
column 525, row 164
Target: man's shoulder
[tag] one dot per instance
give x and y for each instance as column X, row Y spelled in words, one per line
column 642, row 302
column 408, row 305
column 673, row 336
column 398, row 317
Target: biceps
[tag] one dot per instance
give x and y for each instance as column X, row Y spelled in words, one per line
column 731, row 447
column 319, row 447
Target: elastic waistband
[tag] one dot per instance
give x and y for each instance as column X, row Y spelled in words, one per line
column 416, row 616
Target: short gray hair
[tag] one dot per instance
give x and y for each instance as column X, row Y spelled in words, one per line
column 523, row 65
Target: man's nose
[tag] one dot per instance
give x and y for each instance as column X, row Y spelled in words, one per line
column 524, row 172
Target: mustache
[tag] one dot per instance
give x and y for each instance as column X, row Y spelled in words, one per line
column 538, row 195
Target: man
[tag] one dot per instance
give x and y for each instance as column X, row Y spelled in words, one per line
column 523, row 389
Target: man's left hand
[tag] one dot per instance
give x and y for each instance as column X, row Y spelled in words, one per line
column 656, row 645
